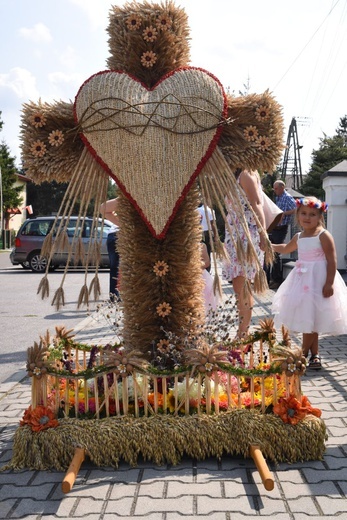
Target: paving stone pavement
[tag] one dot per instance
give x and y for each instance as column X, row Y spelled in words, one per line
column 230, row 489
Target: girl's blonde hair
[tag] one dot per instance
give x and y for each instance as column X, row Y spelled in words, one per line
column 312, row 202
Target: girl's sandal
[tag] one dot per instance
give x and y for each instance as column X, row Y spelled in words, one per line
column 315, row 362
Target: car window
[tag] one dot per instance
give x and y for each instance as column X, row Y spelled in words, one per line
column 105, row 229
column 37, row 228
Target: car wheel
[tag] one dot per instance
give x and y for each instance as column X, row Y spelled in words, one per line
column 37, row 262
column 25, row 265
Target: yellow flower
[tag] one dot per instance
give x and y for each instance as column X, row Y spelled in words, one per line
column 250, row 133
column 163, row 22
column 38, row 148
column 148, row 59
column 263, row 142
column 164, row 309
column 37, row 120
column 56, row 138
column 150, row 34
column 160, row 268
column 133, row 22
column 262, row 113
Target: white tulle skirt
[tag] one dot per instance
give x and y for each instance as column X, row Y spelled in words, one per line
column 211, row 299
column 300, row 305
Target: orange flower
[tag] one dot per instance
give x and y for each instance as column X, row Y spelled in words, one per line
column 148, row 59
column 250, row 133
column 150, row 34
column 38, row 148
column 37, row 120
column 290, row 410
column 164, row 309
column 263, row 142
column 133, row 22
column 163, row 346
column 160, row 268
column 41, row 418
column 262, row 113
column 305, row 403
column 163, row 22
column 160, row 399
column 56, row 138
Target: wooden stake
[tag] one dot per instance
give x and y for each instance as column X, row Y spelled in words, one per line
column 73, row 470
column 260, row 462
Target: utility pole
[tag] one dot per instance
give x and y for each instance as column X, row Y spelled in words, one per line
column 291, row 161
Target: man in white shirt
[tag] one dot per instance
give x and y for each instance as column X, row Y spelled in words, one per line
column 207, row 215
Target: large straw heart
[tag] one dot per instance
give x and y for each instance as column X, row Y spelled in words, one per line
column 152, row 142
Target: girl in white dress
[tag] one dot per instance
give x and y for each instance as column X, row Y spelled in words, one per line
column 313, row 298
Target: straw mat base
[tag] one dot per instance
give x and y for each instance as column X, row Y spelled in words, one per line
column 166, row 439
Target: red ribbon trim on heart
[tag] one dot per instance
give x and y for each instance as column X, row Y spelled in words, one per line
column 198, row 169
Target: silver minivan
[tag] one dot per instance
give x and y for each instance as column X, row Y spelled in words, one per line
column 31, row 235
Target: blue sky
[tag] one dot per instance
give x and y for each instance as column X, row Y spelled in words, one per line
column 295, row 49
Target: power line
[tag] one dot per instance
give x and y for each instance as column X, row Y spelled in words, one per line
column 309, row 41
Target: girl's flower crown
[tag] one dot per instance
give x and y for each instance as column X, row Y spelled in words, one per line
column 312, row 203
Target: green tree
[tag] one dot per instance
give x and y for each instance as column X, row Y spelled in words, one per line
column 332, row 150
column 46, row 198
column 10, row 193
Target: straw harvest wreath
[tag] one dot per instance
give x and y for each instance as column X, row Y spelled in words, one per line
column 167, row 133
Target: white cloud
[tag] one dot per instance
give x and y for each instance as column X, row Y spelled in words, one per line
column 39, row 33
column 62, row 78
column 68, row 58
column 97, row 12
column 21, row 82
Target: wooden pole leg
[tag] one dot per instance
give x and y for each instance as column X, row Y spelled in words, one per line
column 260, row 462
column 73, row 470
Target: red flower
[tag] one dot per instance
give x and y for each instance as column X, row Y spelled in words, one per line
column 305, row 403
column 290, row 410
